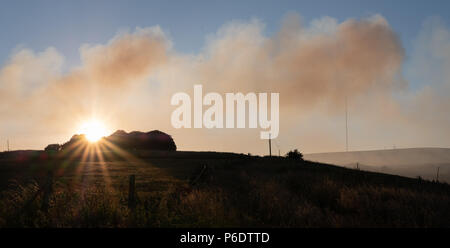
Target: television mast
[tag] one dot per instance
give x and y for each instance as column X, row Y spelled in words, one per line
column 346, row 125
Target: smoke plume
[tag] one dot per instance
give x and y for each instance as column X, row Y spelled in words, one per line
column 316, row 67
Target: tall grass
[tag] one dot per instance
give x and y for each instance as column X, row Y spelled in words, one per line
column 262, row 193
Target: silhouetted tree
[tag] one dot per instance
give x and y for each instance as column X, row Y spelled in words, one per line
column 295, row 154
column 75, row 141
column 153, row 140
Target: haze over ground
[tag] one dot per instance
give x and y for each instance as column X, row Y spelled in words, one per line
column 412, row 162
column 390, row 65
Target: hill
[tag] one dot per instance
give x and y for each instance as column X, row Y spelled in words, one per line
column 208, row 189
column 411, row 162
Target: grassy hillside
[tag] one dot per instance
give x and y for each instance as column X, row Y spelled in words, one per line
column 207, row 189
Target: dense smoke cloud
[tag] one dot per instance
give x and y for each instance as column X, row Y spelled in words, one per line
column 326, row 61
column 129, row 80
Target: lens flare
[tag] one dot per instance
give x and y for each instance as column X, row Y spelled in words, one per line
column 94, row 130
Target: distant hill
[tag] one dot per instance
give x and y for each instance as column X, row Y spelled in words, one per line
column 411, row 162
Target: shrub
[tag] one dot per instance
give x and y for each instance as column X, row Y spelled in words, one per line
column 295, row 154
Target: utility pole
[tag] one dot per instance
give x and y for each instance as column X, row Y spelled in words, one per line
column 7, row 144
column 270, row 146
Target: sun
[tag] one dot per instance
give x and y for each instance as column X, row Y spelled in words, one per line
column 94, row 130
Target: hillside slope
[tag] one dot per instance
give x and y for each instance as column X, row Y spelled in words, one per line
column 207, row 189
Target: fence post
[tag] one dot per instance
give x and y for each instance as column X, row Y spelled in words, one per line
column 132, row 192
column 437, row 175
column 48, row 189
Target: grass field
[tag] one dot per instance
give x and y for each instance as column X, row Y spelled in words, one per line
column 207, row 189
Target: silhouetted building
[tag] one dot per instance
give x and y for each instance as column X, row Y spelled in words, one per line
column 53, row 148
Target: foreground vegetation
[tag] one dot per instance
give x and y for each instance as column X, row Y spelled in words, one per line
column 179, row 189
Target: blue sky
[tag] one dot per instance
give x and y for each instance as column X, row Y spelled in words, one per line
column 66, row 25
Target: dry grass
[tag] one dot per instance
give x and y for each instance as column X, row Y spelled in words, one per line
column 238, row 192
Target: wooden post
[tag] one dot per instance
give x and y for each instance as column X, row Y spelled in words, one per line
column 132, row 192
column 437, row 175
column 48, row 190
column 270, row 146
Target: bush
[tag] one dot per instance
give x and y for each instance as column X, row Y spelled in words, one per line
column 295, row 154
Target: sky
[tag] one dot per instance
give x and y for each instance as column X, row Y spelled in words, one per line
column 67, row 24
column 61, row 41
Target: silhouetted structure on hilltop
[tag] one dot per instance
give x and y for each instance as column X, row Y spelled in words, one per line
column 52, row 148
